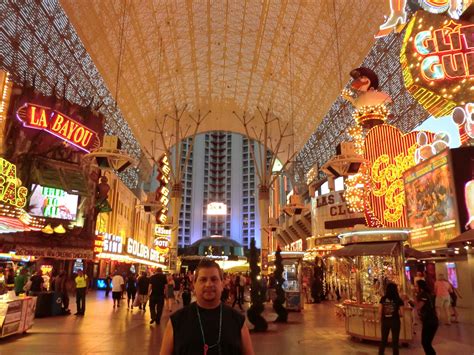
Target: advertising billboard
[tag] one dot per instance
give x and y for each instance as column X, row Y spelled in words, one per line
column 431, row 203
column 446, row 182
column 50, row 202
column 463, row 172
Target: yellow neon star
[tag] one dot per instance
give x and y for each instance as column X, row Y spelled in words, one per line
column 452, row 27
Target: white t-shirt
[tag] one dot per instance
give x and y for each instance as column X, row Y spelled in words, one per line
column 117, row 282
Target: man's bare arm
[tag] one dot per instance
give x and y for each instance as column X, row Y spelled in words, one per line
column 167, row 345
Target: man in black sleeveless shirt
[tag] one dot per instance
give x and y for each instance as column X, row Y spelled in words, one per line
column 207, row 326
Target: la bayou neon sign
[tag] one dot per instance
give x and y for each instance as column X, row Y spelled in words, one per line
column 59, row 125
column 447, row 52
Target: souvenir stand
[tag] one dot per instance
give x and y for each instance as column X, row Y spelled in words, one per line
column 376, row 258
column 292, row 273
column 16, row 314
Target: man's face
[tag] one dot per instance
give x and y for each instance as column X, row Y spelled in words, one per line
column 208, row 285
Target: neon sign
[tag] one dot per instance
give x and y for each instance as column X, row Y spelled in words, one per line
column 11, row 191
column 437, row 60
column 162, row 239
column 162, row 192
column 390, row 154
column 447, row 53
column 59, row 125
column 162, row 245
column 108, row 243
column 141, row 250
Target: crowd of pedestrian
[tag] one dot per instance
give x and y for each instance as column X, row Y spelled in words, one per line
column 432, row 305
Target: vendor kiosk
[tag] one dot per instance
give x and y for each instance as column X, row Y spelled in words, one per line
column 376, row 257
column 16, row 314
column 292, row 273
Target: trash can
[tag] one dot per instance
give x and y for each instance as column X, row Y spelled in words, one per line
column 44, row 304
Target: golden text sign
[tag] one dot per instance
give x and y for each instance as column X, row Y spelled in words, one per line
column 58, row 124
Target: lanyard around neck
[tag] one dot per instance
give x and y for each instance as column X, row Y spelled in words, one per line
column 206, row 346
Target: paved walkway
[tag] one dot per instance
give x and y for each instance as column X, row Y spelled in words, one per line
column 105, row 330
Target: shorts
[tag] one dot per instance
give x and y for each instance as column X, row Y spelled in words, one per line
column 116, row 295
column 443, row 301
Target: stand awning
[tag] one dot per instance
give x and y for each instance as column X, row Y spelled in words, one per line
column 366, row 249
column 462, row 238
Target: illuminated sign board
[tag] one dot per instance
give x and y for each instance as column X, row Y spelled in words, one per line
column 162, row 245
column 59, row 125
column 390, row 154
column 437, row 58
column 53, row 203
column 162, row 239
column 11, row 191
column 295, row 246
column 216, row 209
column 431, row 203
column 330, row 212
column 140, row 250
column 108, row 243
column 162, row 192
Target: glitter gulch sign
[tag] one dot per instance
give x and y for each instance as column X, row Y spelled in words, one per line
column 389, row 153
column 59, row 125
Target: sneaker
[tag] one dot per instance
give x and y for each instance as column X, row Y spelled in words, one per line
column 48, row 229
column 59, row 229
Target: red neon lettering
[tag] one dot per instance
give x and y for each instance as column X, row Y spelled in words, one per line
column 87, row 138
column 58, row 120
column 447, row 54
column 38, row 121
column 443, row 43
column 468, row 33
column 72, row 127
column 470, row 63
column 454, row 66
column 64, row 128
column 57, row 123
column 77, row 138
